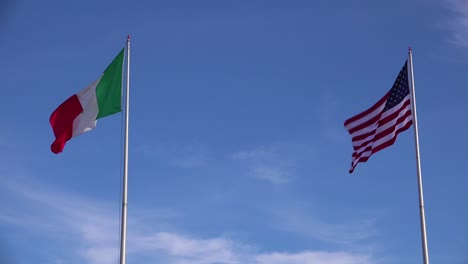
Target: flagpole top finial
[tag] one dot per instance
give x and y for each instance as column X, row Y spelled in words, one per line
column 128, row 37
column 410, row 49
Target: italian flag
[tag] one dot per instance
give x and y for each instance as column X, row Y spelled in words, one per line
column 80, row 112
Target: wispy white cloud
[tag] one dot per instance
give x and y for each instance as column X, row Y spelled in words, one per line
column 266, row 163
column 327, row 113
column 69, row 217
column 276, row 175
column 261, row 153
column 457, row 25
column 100, row 254
column 182, row 249
column 93, row 226
column 274, row 164
column 314, row 258
column 299, row 220
column 191, row 155
column 190, row 160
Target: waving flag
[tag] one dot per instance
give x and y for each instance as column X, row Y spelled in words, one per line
column 378, row 127
column 78, row 114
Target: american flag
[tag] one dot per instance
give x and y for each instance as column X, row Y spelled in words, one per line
column 378, row 127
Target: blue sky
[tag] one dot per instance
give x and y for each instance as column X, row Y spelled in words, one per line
column 238, row 152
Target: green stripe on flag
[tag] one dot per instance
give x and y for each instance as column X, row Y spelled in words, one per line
column 109, row 89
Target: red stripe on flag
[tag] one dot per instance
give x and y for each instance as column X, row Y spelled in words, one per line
column 366, row 124
column 393, row 139
column 61, row 121
column 368, row 111
column 357, row 157
column 382, row 122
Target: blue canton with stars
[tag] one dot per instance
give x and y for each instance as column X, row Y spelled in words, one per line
column 399, row 90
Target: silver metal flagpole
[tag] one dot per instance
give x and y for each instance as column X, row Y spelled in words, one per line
column 418, row 161
column 123, row 230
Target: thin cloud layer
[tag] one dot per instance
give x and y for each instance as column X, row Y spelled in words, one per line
column 299, row 221
column 274, row 164
column 181, row 249
column 458, row 23
column 313, row 258
column 92, row 228
column 192, row 155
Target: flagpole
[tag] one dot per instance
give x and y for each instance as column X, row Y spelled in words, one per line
column 123, row 230
column 418, row 161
